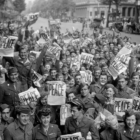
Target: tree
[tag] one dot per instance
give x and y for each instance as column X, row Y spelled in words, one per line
column 19, row 5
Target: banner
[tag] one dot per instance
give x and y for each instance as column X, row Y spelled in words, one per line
column 121, row 105
column 76, row 63
column 136, row 104
column 87, row 58
column 75, row 136
column 65, row 112
column 121, row 61
column 31, row 95
column 7, row 46
column 86, row 76
column 57, row 92
column 55, row 50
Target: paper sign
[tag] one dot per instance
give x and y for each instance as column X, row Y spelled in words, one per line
column 136, row 104
column 121, row 61
column 57, row 92
column 121, row 105
column 7, row 46
column 87, row 58
column 28, row 96
column 76, row 62
column 74, row 136
column 65, row 112
column 86, row 76
column 37, row 79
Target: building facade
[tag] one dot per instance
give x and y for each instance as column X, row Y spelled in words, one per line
column 92, row 8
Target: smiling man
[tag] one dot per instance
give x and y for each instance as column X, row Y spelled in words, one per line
column 21, row 129
column 79, row 122
column 10, row 89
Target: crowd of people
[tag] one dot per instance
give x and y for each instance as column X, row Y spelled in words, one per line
column 92, row 104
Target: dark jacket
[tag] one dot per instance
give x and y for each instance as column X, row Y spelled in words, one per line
column 52, row 134
column 125, row 133
column 8, row 93
column 109, row 134
column 84, row 127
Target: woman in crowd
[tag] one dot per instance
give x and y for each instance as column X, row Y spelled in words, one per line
column 130, row 131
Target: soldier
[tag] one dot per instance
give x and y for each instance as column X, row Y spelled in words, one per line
column 46, row 130
column 80, row 123
column 21, row 128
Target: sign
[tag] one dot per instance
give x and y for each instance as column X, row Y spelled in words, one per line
column 55, row 50
column 86, row 76
column 37, row 79
column 136, row 104
column 7, row 46
column 75, row 136
column 31, row 95
column 87, row 58
column 121, row 61
column 76, row 62
column 57, row 92
column 121, row 105
column 65, row 112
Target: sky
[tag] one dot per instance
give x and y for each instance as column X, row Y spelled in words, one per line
column 28, row 1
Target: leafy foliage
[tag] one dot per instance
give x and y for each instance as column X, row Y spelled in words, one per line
column 19, row 5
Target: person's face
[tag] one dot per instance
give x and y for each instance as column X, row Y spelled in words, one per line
column 71, row 96
column 135, row 79
column 119, row 47
column 92, row 51
column 103, row 80
column 78, row 79
column 83, row 68
column 97, row 73
column 65, row 70
column 101, row 55
column 47, row 67
column 115, row 51
column 111, row 55
column 115, row 126
column 23, row 118
column 60, row 78
column 60, row 64
column 131, row 121
column 75, row 112
column 13, row 77
column 122, row 83
column 44, row 100
column 23, row 54
column 68, row 60
column 6, row 114
column 84, row 91
column 71, row 82
column 64, row 60
column 109, row 93
column 111, row 46
column 45, row 120
column 97, row 56
column 105, row 69
column 32, row 58
column 53, row 73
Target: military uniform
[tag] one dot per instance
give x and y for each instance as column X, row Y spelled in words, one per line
column 52, row 134
column 15, row 132
column 9, row 93
column 125, row 134
column 86, row 125
column 127, row 93
column 109, row 134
